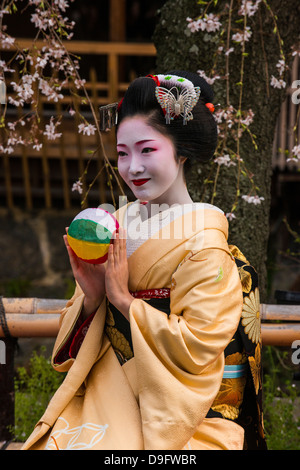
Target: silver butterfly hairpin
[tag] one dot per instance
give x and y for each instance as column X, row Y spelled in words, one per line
column 177, row 102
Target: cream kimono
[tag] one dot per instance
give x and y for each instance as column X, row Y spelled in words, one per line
column 159, row 396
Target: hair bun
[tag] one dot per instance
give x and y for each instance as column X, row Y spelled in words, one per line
column 207, row 94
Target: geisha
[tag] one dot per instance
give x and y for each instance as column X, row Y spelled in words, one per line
column 161, row 344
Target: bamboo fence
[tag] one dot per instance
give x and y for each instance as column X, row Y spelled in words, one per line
column 33, row 317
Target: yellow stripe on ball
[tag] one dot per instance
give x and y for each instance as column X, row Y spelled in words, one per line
column 88, row 250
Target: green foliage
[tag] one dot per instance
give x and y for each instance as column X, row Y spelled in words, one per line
column 34, row 388
column 15, row 287
column 281, row 400
column 70, row 288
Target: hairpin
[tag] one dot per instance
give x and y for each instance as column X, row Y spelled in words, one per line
column 108, row 116
column 179, row 100
column 210, row 106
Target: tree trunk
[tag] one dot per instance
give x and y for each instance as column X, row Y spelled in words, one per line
column 179, row 49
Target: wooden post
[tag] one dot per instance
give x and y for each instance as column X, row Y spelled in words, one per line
column 117, row 33
column 117, row 20
column 100, row 159
column 7, row 395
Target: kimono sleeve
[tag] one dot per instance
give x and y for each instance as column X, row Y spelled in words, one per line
column 72, row 331
column 68, row 323
column 179, row 358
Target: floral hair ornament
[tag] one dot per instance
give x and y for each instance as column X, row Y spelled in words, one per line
column 177, row 100
column 108, row 116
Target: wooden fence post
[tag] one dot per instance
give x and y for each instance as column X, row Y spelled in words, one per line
column 7, row 394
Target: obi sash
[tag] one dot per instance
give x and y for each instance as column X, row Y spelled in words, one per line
column 240, row 395
column 227, row 405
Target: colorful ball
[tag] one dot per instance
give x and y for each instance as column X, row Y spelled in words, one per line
column 90, row 234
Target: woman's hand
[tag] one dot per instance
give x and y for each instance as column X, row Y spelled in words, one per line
column 91, row 279
column 117, row 274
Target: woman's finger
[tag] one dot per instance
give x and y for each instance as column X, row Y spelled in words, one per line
column 110, row 256
column 117, row 249
column 72, row 257
column 123, row 253
column 66, row 240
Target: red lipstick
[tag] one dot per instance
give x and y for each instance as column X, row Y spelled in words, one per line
column 140, row 182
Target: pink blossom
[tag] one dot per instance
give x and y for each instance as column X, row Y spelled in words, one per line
column 77, row 186
column 193, row 25
column 62, row 4
column 231, row 49
column 230, row 216
column 37, row 146
column 209, row 80
column 41, row 62
column 6, row 41
column 39, row 22
column 17, row 103
column 209, row 23
column 295, row 154
column 226, row 115
column 224, row 160
column 49, row 92
column 86, row 129
column 248, row 119
column 296, row 151
column 4, row 67
column 281, row 66
column 242, row 36
column 7, row 150
column 248, row 7
column 50, row 131
column 212, row 23
column 277, row 83
column 79, row 83
column 253, row 199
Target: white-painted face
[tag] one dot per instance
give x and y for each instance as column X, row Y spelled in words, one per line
column 146, row 162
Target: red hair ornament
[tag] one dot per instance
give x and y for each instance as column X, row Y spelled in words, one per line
column 210, row 106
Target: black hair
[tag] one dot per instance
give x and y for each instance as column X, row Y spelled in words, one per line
column 197, row 139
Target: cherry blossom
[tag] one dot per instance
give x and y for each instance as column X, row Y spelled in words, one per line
column 231, row 49
column 50, row 92
column 277, row 83
column 209, row 80
column 253, row 199
column 242, row 36
column 6, row 41
column 248, row 119
column 295, row 154
column 281, row 66
column 62, row 4
column 50, row 131
column 77, row 187
column 249, row 7
column 230, row 216
column 224, row 160
column 209, row 23
column 86, row 129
